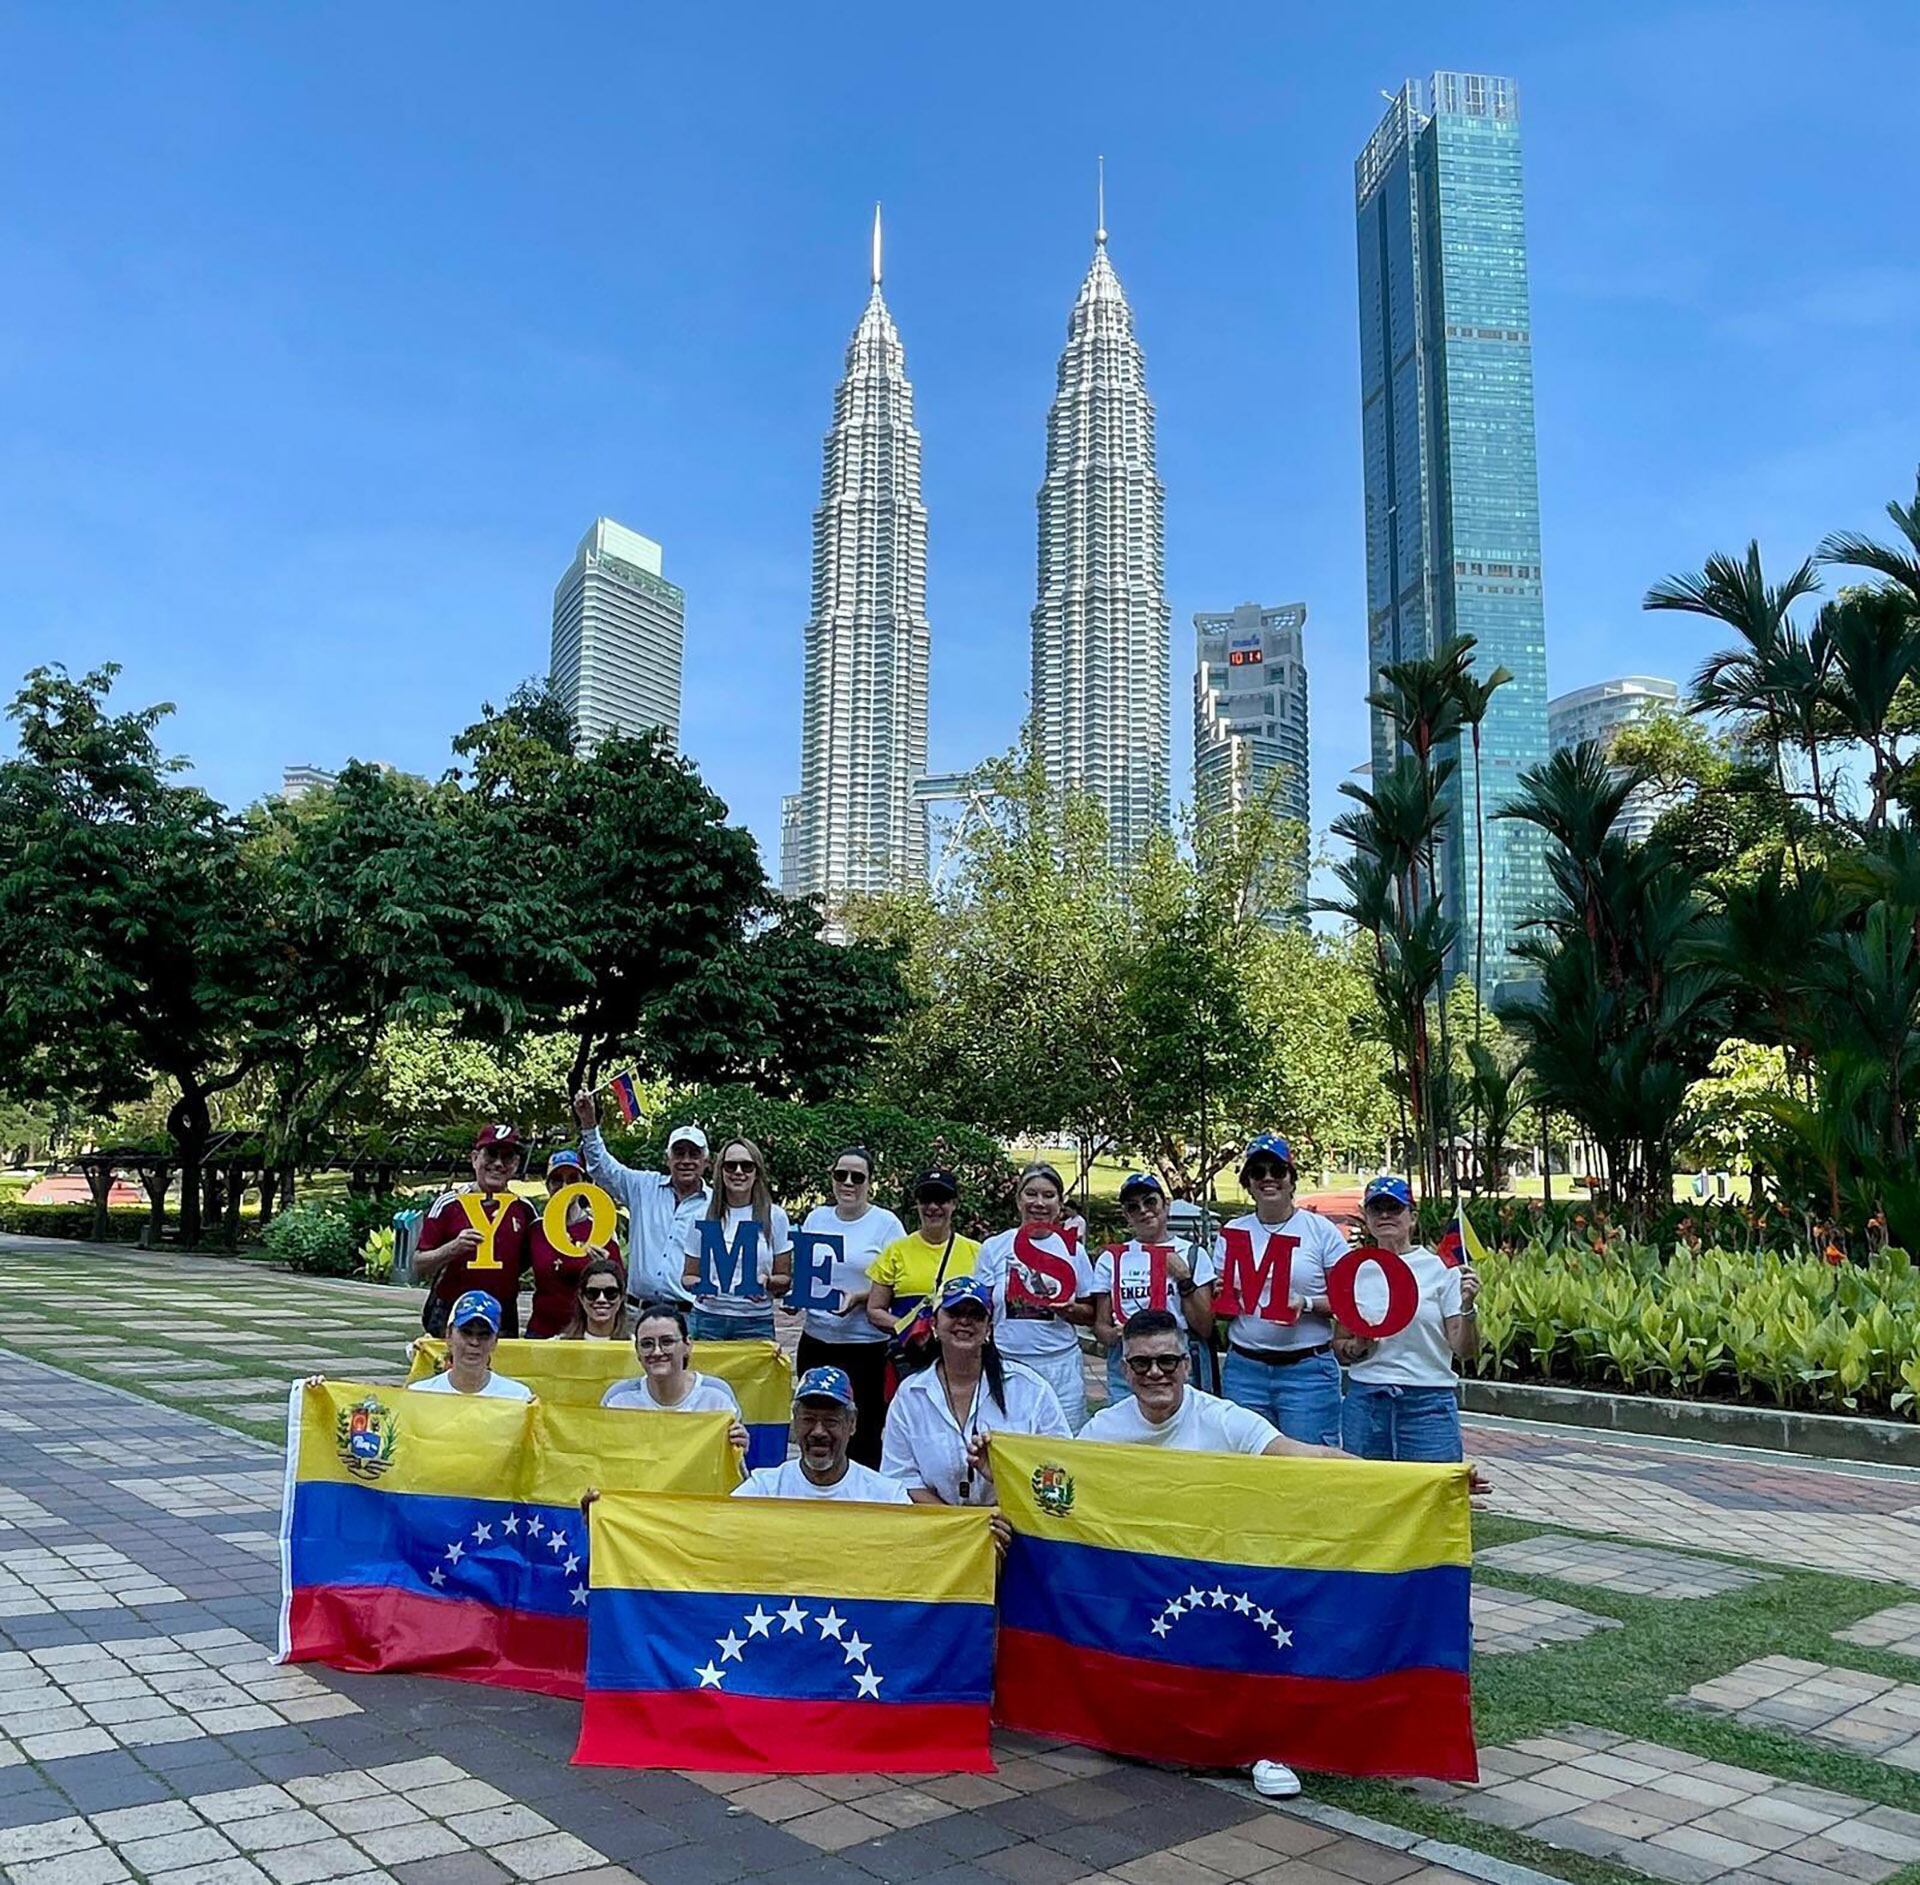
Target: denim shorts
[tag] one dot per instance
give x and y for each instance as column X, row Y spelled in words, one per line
column 1383, row 1422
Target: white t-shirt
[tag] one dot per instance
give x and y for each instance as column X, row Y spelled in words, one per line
column 1319, row 1245
column 1136, row 1276
column 926, row 1447
column 863, row 1239
column 499, row 1388
column 858, row 1483
column 767, row 1244
column 1021, row 1328
column 707, row 1395
column 1202, row 1423
column 1419, row 1356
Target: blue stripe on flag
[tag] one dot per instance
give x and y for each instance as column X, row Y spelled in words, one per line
column 484, row 1551
column 1250, row 1619
column 794, row 1649
column 767, row 1442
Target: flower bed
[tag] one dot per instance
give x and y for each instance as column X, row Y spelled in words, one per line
column 1753, row 1327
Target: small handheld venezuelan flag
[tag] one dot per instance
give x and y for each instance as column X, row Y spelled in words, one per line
column 1461, row 1245
column 625, row 1098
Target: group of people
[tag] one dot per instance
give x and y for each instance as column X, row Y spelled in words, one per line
column 1035, row 1284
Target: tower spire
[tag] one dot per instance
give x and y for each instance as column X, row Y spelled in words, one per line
column 1100, row 223
column 876, row 245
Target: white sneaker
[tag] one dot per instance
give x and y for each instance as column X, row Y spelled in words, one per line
column 1275, row 1779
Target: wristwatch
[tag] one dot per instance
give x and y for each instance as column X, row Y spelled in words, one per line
column 1185, row 1285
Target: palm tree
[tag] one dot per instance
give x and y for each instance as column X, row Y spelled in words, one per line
column 1895, row 564
column 1875, row 638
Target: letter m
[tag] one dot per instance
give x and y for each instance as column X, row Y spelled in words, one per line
column 1261, row 1286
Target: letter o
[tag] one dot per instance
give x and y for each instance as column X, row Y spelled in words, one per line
column 1403, row 1293
column 600, row 1227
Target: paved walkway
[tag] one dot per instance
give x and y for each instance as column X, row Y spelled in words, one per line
column 144, row 1733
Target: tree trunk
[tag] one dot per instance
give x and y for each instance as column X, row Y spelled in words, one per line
column 286, row 1187
column 189, row 1124
column 154, row 1183
column 100, row 1184
column 230, row 1221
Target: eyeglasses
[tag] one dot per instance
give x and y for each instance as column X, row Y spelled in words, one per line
column 609, row 1294
column 657, row 1344
column 1268, row 1175
column 738, row 1165
column 1141, row 1367
column 849, row 1178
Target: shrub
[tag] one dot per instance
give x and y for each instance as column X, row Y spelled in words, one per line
column 325, row 1236
column 376, row 1256
column 1580, row 1223
column 1798, row 1332
column 68, row 1220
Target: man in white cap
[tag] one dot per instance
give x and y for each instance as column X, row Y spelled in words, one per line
column 661, row 1206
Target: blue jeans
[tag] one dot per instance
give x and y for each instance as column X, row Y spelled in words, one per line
column 1301, row 1398
column 1200, row 1372
column 1391, row 1423
column 704, row 1325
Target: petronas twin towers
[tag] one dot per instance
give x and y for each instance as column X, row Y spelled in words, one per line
column 1101, row 650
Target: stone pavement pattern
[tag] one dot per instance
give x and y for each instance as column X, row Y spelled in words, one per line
column 1896, row 1628
column 1605, row 1564
column 148, row 1736
column 1674, row 1815
column 1505, row 1623
column 1851, row 1708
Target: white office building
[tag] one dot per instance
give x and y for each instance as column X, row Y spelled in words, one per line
column 1598, row 713
column 619, row 632
column 1102, row 633
column 855, row 826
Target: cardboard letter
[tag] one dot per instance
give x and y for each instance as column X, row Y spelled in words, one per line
column 1263, row 1288
column 1030, row 1252
column 474, row 1203
column 729, row 1269
column 1403, row 1293
column 815, row 1252
column 600, row 1226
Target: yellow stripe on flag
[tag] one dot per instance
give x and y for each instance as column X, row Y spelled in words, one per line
column 576, row 1374
column 1292, row 1514
column 463, row 1446
column 1469, row 1237
column 673, row 1541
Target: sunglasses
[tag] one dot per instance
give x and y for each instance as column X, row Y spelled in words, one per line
column 849, row 1178
column 1268, row 1174
column 609, row 1294
column 1141, row 1367
column 738, row 1165
column 657, row 1344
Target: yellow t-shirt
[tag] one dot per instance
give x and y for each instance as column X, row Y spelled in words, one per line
column 910, row 1264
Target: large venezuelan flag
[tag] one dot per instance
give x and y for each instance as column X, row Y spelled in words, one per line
column 443, row 1533
column 788, row 1636
column 576, row 1374
column 1215, row 1610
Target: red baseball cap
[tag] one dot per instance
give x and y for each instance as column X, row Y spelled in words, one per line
column 505, row 1136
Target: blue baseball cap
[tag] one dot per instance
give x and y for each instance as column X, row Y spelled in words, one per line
column 1397, row 1190
column 1142, row 1181
column 475, row 1306
column 967, row 1289
column 824, row 1384
column 565, row 1160
column 1268, row 1145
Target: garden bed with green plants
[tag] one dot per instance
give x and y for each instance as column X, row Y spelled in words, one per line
column 1748, row 1327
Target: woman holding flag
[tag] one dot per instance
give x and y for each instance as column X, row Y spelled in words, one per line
column 741, row 1217
column 1401, row 1401
column 1040, row 1282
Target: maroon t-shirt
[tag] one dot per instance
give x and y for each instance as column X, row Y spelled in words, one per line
column 512, row 1249
column 556, row 1277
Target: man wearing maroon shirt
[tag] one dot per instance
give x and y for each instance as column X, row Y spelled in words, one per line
column 449, row 1256
column 556, row 1273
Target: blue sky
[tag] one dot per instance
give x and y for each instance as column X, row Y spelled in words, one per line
column 325, row 332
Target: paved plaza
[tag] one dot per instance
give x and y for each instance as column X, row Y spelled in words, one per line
column 146, row 1734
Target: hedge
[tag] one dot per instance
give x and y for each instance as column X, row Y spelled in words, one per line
column 1580, row 1223
column 69, row 1220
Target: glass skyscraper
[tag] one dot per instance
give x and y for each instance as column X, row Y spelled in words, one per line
column 1452, row 495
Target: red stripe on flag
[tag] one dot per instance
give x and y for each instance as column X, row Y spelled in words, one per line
column 369, row 1629
column 1413, row 1724
column 760, row 1734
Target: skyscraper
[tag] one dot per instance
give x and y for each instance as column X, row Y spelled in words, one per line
column 1599, row 713
column 854, row 824
column 1102, row 647
column 1250, row 712
column 619, row 629
column 1452, row 497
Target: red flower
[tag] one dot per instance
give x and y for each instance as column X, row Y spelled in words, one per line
column 1835, row 1255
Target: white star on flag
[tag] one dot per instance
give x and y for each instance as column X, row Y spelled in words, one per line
column 760, row 1622
column 710, row 1677
column 536, row 1525
column 556, row 1541
column 455, row 1551
column 483, row 1534
column 730, row 1647
column 572, row 1565
column 436, row 1576
column 1244, row 1604
column 1195, row 1597
column 1265, row 1619
column 868, row 1683
column 1218, row 1598
column 580, row 1594
column 791, row 1618
column 1161, row 1626
column 832, row 1623
column 1235, row 1603
column 511, row 1524
column 856, row 1651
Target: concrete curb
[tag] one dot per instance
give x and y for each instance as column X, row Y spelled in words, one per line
column 1777, row 1430
column 1462, row 1859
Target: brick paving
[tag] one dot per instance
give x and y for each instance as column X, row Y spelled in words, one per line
column 1604, row 1564
column 1674, row 1815
column 1505, row 1623
column 1896, row 1628
column 1850, row 1708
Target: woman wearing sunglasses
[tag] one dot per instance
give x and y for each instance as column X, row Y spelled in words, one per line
column 667, row 1382
column 558, row 1274
column 1042, row 1285
column 743, row 1237
column 846, row 1338
column 600, row 1308
column 937, row 1427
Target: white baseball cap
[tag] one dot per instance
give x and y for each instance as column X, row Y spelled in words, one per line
column 690, row 1133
